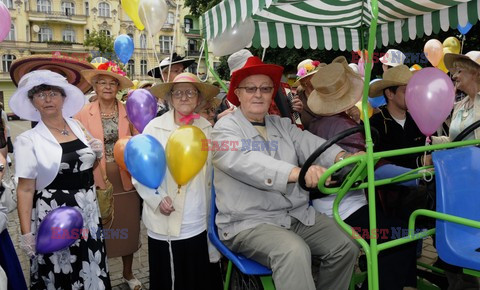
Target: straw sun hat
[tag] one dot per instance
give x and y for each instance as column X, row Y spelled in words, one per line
column 23, row 107
column 206, row 90
column 473, row 56
column 336, row 89
column 108, row 69
column 396, row 76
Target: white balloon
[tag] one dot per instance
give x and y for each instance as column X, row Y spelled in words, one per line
column 153, row 14
column 233, row 39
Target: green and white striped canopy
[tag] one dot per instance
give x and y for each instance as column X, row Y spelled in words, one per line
column 338, row 24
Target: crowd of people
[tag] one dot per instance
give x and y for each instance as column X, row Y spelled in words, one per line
column 67, row 159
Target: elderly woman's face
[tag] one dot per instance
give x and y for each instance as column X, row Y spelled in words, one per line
column 185, row 98
column 49, row 103
column 106, row 87
column 464, row 78
column 255, row 95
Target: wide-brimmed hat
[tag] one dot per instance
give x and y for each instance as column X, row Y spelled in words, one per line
column 22, row 106
column 473, row 56
column 108, row 69
column 176, row 59
column 393, row 57
column 254, row 66
column 69, row 67
column 336, row 89
column 207, row 91
column 305, row 68
column 238, row 59
column 396, row 76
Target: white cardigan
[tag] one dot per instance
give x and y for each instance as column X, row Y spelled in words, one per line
column 38, row 154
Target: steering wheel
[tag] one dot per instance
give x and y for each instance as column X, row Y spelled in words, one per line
column 467, row 131
column 323, row 148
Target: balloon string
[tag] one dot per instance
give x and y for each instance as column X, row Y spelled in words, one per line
column 198, row 64
column 178, row 189
column 152, row 40
column 173, row 44
column 172, row 269
column 426, row 172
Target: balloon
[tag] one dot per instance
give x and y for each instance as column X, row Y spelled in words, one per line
column 153, row 14
column 6, row 21
column 123, row 46
column 98, row 61
column 185, row 153
column 145, row 160
column 233, row 39
column 377, row 101
column 452, row 44
column 369, row 109
column 429, row 96
column 131, row 8
column 59, row 229
column 141, row 108
column 119, row 151
column 433, row 51
column 415, row 67
column 464, row 29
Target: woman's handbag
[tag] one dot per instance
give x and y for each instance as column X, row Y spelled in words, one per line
column 8, row 190
column 104, row 196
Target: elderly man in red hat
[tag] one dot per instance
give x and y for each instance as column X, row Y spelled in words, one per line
column 263, row 213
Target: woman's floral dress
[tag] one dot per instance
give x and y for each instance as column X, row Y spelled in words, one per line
column 83, row 265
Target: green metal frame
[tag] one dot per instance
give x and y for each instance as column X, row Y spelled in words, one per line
column 364, row 168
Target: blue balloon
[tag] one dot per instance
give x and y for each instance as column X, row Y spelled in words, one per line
column 123, row 47
column 145, row 160
column 377, row 101
column 464, row 29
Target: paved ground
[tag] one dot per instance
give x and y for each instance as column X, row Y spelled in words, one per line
column 140, row 263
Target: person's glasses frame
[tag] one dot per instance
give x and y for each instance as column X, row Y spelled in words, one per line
column 253, row 90
column 43, row 95
column 179, row 94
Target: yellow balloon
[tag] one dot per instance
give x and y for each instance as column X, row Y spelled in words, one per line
column 369, row 109
column 131, row 8
column 185, row 153
column 453, row 44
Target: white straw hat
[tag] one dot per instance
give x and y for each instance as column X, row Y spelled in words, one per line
column 23, row 107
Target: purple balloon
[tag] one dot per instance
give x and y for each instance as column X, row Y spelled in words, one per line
column 59, row 229
column 429, row 96
column 141, row 108
column 6, row 21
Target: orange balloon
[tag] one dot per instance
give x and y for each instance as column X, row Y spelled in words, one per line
column 119, row 151
column 433, row 51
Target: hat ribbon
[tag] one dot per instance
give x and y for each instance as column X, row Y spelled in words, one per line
column 187, row 118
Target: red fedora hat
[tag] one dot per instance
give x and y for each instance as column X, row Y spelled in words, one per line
column 254, row 66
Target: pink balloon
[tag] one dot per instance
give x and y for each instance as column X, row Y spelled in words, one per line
column 429, row 96
column 6, row 21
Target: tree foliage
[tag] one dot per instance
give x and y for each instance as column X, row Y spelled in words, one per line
column 102, row 42
column 198, row 7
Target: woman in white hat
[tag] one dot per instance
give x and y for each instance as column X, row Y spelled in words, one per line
column 106, row 119
column 466, row 75
column 177, row 221
column 54, row 165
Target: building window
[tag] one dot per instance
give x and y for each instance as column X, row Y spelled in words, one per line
column 11, row 34
column 192, row 45
column 69, row 35
column 68, row 8
column 7, row 60
column 44, row 6
column 104, row 9
column 165, row 43
column 131, row 67
column 87, row 9
column 143, row 41
column 131, row 36
column 8, row 3
column 107, row 32
column 45, row 34
column 170, row 18
column 188, row 24
column 143, row 67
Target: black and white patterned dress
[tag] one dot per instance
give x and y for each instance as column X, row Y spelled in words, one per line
column 84, row 264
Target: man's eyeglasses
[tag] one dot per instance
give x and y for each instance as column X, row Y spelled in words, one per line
column 104, row 84
column 253, row 90
column 43, row 95
column 178, row 94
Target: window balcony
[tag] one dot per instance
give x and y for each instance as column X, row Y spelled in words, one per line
column 192, row 33
column 58, row 17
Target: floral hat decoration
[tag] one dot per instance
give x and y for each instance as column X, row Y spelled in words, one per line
column 110, row 69
column 306, row 68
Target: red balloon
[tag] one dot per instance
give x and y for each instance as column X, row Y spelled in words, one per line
column 429, row 96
